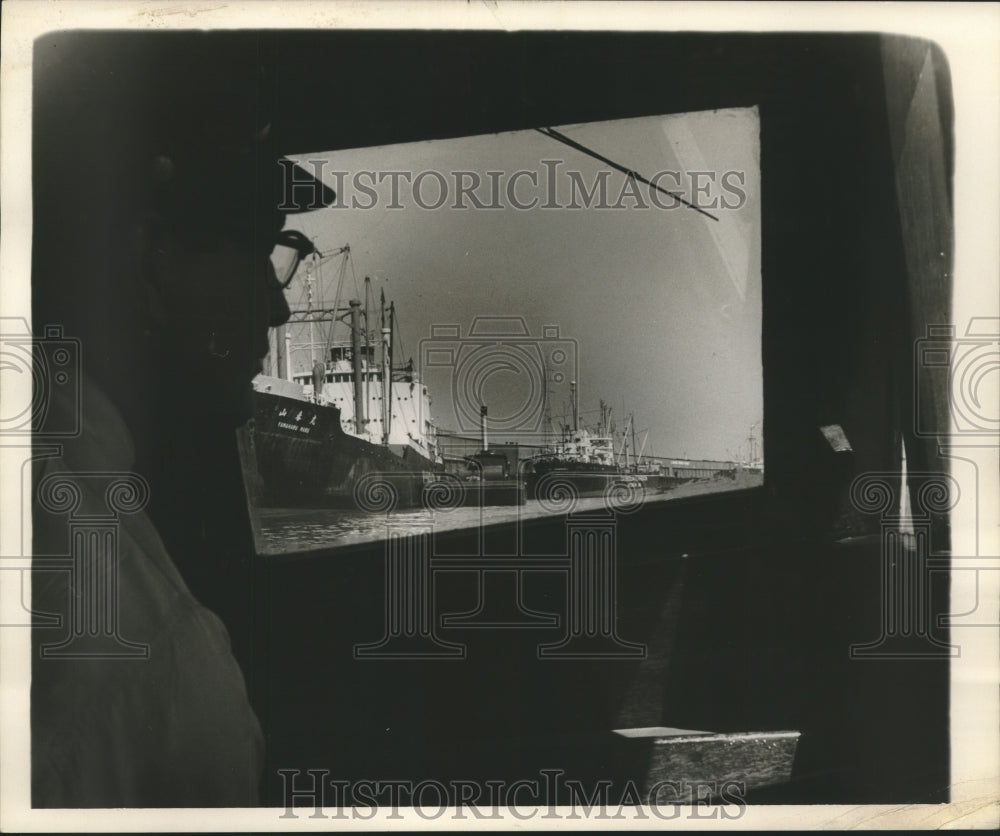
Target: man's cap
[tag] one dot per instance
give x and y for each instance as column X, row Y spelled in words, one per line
column 300, row 191
column 184, row 112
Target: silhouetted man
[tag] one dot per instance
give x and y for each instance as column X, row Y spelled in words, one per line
column 158, row 199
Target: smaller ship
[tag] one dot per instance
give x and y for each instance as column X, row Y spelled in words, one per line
column 603, row 462
column 582, row 463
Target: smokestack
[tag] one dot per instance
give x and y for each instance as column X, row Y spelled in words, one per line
column 482, row 423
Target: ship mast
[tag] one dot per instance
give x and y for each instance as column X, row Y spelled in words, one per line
column 546, row 415
column 369, row 351
column 392, row 334
column 392, row 357
column 625, row 441
column 386, row 373
column 279, row 353
column 631, row 422
column 309, row 309
column 359, row 403
column 572, row 392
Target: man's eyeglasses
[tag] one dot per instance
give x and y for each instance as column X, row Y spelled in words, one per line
column 291, row 247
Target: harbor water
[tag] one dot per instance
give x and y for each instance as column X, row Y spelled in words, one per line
column 287, row 531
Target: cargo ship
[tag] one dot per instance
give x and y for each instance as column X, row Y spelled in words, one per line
column 583, row 463
column 605, row 462
column 337, row 423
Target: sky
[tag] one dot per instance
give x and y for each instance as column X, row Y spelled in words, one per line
column 657, row 310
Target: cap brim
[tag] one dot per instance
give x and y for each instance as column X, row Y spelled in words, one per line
column 298, row 190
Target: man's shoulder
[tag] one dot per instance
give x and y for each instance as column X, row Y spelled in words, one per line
column 137, row 700
column 136, row 696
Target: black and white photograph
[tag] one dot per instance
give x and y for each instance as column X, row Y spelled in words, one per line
column 499, row 415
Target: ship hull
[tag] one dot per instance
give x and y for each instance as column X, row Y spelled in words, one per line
column 304, row 459
column 553, row 480
column 556, row 480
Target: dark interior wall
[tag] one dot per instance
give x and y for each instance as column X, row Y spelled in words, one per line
column 919, row 104
column 765, row 608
